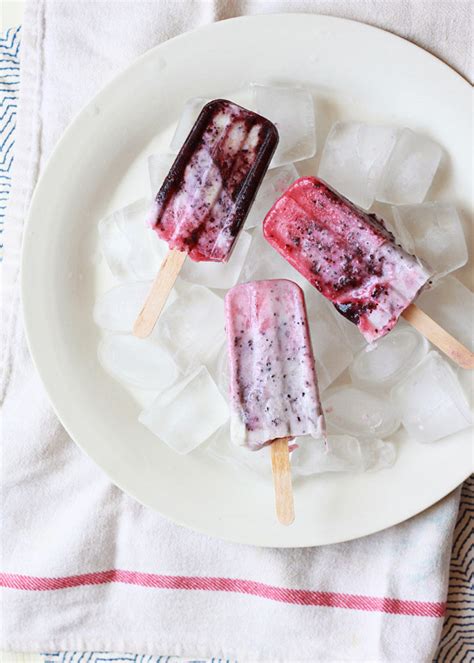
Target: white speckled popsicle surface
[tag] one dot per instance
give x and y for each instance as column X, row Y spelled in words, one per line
column 273, row 383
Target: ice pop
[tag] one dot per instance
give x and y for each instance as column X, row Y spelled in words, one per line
column 347, row 254
column 273, row 386
column 207, row 194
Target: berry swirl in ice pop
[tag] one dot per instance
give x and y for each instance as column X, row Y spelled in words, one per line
column 347, row 254
column 208, row 192
column 273, row 386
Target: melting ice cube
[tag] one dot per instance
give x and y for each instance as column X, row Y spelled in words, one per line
column 433, row 232
column 385, row 362
column 354, row 157
column 409, row 170
column 431, row 401
column 138, row 362
column 188, row 413
column 192, row 328
column 291, row 109
column 359, row 413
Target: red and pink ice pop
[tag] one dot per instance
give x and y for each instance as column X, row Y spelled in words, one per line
column 347, row 254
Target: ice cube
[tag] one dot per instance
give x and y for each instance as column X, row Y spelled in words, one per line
column 409, row 170
column 292, row 111
column 188, row 413
column 465, row 380
column 354, row 157
column 431, row 401
column 331, row 352
column 377, row 454
column 342, row 453
column 131, row 248
column 188, row 117
column 263, row 262
column 359, row 413
column 115, row 248
column 147, row 250
column 275, row 182
column 158, row 168
column 192, row 328
column 219, row 275
column 138, row 362
column 221, row 448
column 433, row 232
column 117, row 309
column 451, row 305
column 352, row 336
column 219, row 370
column 383, row 363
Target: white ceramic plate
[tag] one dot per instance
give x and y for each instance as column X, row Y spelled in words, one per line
column 355, row 72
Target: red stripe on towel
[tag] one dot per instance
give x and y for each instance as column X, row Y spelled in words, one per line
column 236, row 585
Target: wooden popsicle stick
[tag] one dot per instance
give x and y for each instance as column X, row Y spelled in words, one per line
column 281, row 469
column 439, row 337
column 160, row 290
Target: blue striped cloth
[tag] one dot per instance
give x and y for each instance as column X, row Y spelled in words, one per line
column 105, row 657
column 457, row 640
column 9, row 86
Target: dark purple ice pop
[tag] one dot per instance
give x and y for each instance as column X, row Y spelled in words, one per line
column 208, row 192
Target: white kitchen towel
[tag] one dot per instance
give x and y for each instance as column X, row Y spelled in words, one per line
column 84, row 567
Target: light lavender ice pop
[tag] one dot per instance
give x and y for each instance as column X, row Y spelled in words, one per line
column 273, row 385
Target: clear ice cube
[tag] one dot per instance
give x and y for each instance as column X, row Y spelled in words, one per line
column 219, row 275
column 192, row 327
column 434, row 233
column 147, row 249
column 352, row 411
column 275, row 182
column 409, row 170
column 131, row 248
column 188, row 117
column 264, row 262
column 377, row 454
column 383, row 363
column 342, row 453
column 188, row 413
column 115, row 248
column 118, row 308
column 219, row 370
column 354, row 157
column 431, row 401
column 138, row 362
column 158, row 168
column 331, row 351
column 221, row 448
column 291, row 109
column 451, row 305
